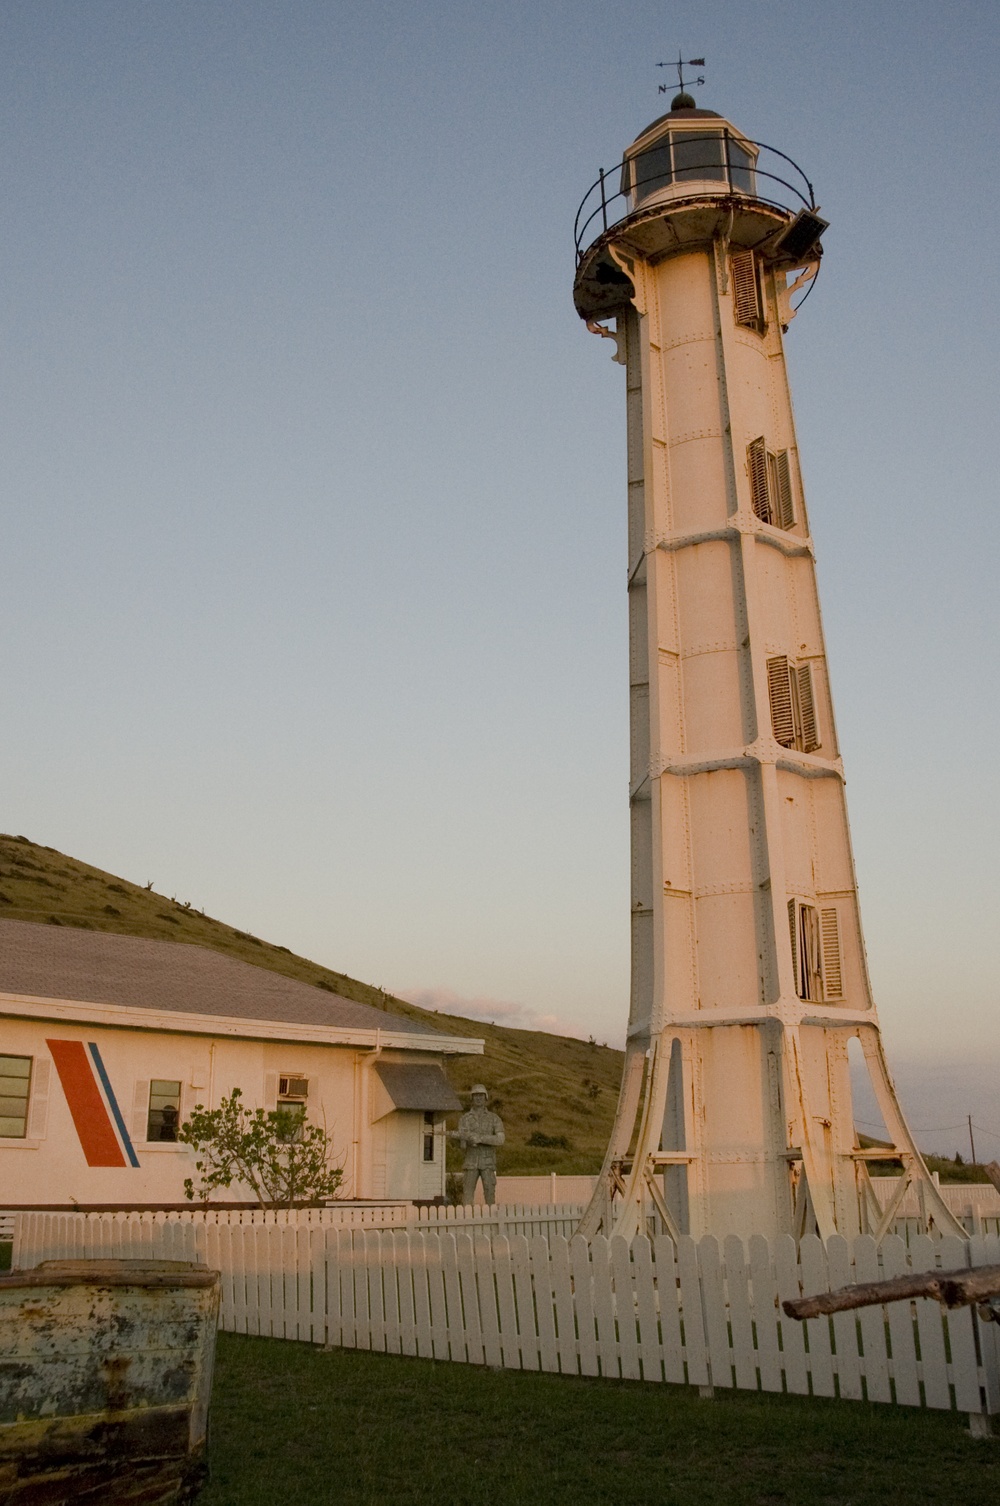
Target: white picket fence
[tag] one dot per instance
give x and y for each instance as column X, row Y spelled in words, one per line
column 526, row 1209
column 48, row 1236
column 553, row 1187
column 974, row 1204
column 694, row 1313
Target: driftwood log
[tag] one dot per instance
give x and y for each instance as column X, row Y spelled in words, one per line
column 952, row 1288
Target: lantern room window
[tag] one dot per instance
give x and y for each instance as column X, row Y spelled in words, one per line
column 740, row 166
column 692, row 156
column 698, row 156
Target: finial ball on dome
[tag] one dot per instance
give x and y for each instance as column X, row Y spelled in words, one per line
column 683, row 101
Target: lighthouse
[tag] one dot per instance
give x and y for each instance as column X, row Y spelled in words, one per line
column 749, row 979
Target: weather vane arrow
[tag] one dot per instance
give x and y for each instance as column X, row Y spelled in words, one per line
column 680, row 65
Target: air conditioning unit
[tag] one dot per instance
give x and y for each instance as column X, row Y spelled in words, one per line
column 293, row 1087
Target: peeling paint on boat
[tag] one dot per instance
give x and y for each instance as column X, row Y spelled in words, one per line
column 105, row 1378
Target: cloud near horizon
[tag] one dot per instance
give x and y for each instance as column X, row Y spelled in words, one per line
column 491, row 1011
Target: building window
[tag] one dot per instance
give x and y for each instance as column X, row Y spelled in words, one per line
column 164, row 1117
column 771, row 484
column 292, row 1095
column 793, row 704
column 15, row 1087
column 748, row 301
column 430, row 1138
column 816, row 960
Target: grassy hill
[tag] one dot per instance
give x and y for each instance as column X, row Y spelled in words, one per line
column 546, row 1087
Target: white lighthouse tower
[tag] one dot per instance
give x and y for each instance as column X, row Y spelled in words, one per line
column 748, row 966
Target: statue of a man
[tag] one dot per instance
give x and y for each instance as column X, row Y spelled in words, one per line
column 479, row 1133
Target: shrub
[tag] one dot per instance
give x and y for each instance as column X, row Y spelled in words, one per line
column 549, row 1142
column 278, row 1154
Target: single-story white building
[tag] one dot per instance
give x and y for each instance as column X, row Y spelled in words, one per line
column 107, row 1042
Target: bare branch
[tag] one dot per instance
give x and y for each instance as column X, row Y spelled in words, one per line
column 952, row 1288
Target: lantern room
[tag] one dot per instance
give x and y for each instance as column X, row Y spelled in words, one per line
column 688, row 151
column 689, row 180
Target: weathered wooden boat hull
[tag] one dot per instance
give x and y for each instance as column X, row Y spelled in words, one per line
column 105, row 1379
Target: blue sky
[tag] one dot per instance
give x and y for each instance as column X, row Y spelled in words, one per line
column 313, row 581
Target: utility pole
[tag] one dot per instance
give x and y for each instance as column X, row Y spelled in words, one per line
column 972, row 1142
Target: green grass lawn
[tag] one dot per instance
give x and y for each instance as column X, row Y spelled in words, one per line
column 292, row 1423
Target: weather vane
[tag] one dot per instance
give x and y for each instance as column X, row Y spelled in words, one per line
column 680, row 65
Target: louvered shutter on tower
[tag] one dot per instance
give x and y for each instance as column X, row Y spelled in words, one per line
column 746, row 291
column 781, row 490
column 833, row 981
column 809, row 954
column 779, row 687
column 792, row 933
column 808, row 721
column 759, row 491
column 38, row 1108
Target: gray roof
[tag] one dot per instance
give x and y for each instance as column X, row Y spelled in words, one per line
column 418, row 1087
column 98, row 967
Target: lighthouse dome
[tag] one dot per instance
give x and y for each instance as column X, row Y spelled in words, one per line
column 679, row 112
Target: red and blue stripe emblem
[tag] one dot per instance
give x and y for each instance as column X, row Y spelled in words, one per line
column 92, row 1103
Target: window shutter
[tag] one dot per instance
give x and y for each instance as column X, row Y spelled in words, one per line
column 746, row 291
column 793, row 936
column 140, row 1111
column 784, row 507
column 809, row 950
column 270, row 1091
column 38, row 1109
column 779, row 688
column 759, row 490
column 809, row 725
column 833, row 981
